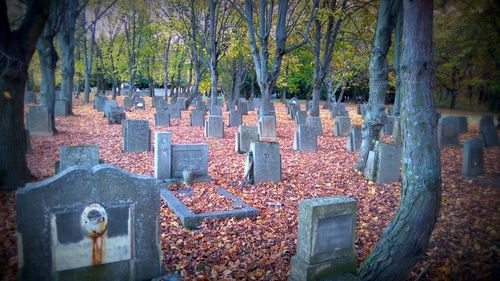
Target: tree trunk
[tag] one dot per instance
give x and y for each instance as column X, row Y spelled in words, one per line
column 375, row 114
column 87, row 61
column 165, row 66
column 398, row 33
column 407, row 236
column 48, row 62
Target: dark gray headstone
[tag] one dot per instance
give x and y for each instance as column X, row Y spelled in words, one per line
column 200, row 105
column 315, row 122
column 389, row 163
column 39, row 122
column 462, row 124
column 300, row 117
column 214, row 127
column 472, row 160
column 396, row 131
column 162, row 117
column 175, row 111
column 136, row 136
column 325, row 240
column 230, row 105
column 116, row 115
column 448, row 132
column 338, row 109
column 163, row 155
column 489, row 136
column 89, row 224
column 244, row 138
column 354, row 139
column 342, row 126
column 235, row 118
column 243, row 107
column 197, row 118
column 371, row 166
column 293, row 108
column 267, row 127
column 86, row 156
column 108, row 105
column 486, row 120
column 266, row 162
column 189, row 156
column 305, row 139
column 127, row 102
column 99, row 102
column 61, row 108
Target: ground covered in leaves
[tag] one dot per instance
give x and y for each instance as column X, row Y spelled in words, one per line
column 464, row 246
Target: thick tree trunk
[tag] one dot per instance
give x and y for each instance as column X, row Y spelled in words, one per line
column 165, row 66
column 87, row 61
column 48, row 62
column 398, row 33
column 375, row 114
column 407, row 236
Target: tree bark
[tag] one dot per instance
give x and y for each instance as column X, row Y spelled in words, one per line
column 165, row 66
column 48, row 62
column 88, row 59
column 407, row 236
column 398, row 34
column 375, row 114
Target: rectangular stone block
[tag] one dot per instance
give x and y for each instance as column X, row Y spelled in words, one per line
column 448, row 132
column 175, row 111
column 486, row 120
column 388, row 125
column 127, row 102
column 489, row 136
column 163, row 155
column 197, row 118
column 354, row 139
column 305, row 139
column 397, row 137
column 214, row 127
column 267, row 127
column 244, row 138
column 162, row 117
column 108, row 105
column 235, row 119
column 389, row 163
column 473, row 158
column 342, row 126
column 463, row 126
column 86, row 156
column 61, row 108
column 190, row 156
column 300, row 117
column 266, row 162
column 116, row 115
column 371, row 166
column 99, row 102
column 39, row 122
column 315, row 122
column 136, row 136
column 243, row 107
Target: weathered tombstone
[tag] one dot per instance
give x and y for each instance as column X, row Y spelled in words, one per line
column 216, row 110
column 182, row 103
column 263, row 162
column 230, row 105
column 305, row 139
column 293, row 109
column 127, row 102
column 60, row 108
column 197, row 118
column 396, row 131
column 175, row 111
column 447, row 132
column 39, row 121
column 108, row 104
column 472, row 160
column 136, row 136
column 200, row 105
column 338, row 109
column 244, row 138
column 486, row 120
column 342, row 126
column 315, row 122
column 489, row 136
column 87, row 156
column 27, row 143
column 163, row 155
column 214, row 127
column 89, row 224
column 116, row 115
column 300, row 117
column 462, row 124
column 193, row 157
column 235, row 118
column 325, row 239
column 243, row 107
column 354, row 139
column 140, row 104
column 162, row 117
column 267, row 127
column 388, row 125
column 99, row 102
column 29, row 97
column 384, row 163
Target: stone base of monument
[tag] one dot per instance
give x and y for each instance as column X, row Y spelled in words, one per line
column 192, row 220
column 302, row 271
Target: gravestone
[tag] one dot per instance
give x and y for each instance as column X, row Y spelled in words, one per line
column 472, row 160
column 193, row 157
column 462, row 124
column 216, row 110
column 197, row 118
column 388, row 125
column 86, row 156
column 39, row 122
column 337, row 110
column 108, row 105
column 200, row 105
column 29, row 97
column 342, row 126
column 116, row 115
column 235, row 118
column 447, row 132
column 489, row 136
column 267, row 127
column 127, row 102
column 214, row 127
column 325, row 239
column 99, row 102
column 384, row 163
column 396, row 131
column 230, row 105
column 315, row 122
column 243, row 107
column 300, row 117
column 136, row 136
column 89, row 224
column 182, row 103
column 60, row 108
column 163, row 155
column 305, row 139
column 486, row 120
column 293, row 109
column 266, row 160
column 140, row 104
column 244, row 138
column 175, row 111
column 162, row 117
column 354, row 139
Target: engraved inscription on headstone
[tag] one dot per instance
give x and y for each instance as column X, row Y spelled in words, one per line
column 333, row 233
column 189, row 156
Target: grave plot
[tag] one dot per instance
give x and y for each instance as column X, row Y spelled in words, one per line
column 204, row 201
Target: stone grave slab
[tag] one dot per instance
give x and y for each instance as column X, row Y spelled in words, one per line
column 163, row 155
column 216, row 110
column 463, row 126
column 305, row 139
column 39, row 122
column 243, row 107
column 354, row 139
column 136, row 136
column 244, row 138
column 99, row 102
column 266, row 160
column 448, row 132
column 108, row 105
column 106, row 229
column 389, row 163
column 175, row 111
column 61, row 108
column 300, row 117
column 84, row 155
column 325, row 240
column 127, row 102
column 162, row 117
column 342, row 126
column 267, row 127
column 397, row 137
column 235, row 118
column 27, row 143
column 214, row 127
column 197, row 118
column 190, row 156
column 116, row 115
column 486, row 120
column 473, row 158
column 315, row 122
